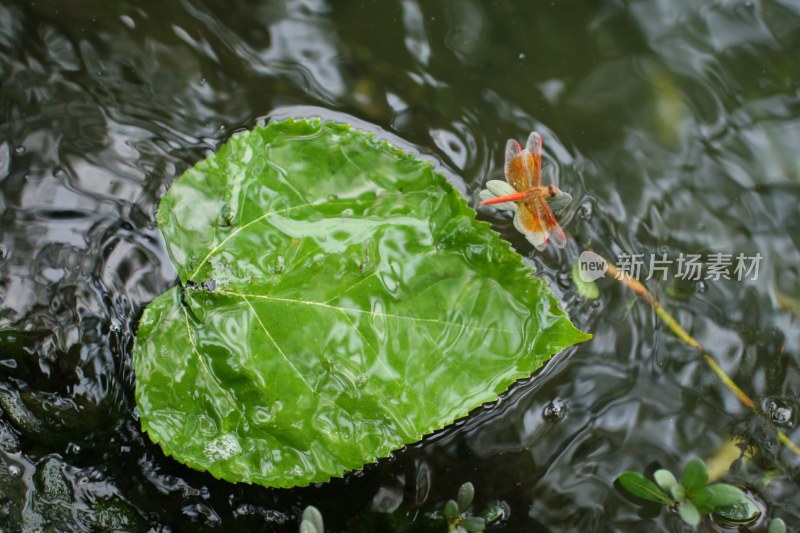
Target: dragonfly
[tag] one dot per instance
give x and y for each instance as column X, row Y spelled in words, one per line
column 525, row 194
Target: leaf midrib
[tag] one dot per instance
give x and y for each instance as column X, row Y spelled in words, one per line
column 337, row 308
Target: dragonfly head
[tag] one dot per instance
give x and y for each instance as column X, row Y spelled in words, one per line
column 557, row 199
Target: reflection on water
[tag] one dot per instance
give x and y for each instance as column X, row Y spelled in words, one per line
column 673, row 124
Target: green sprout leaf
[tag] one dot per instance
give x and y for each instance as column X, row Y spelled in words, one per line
column 493, row 512
column 678, row 492
column 586, row 289
column 665, row 479
column 722, row 494
column 312, row 521
column 741, row 513
column 777, row 526
column 694, row 474
column 338, row 300
column 451, row 510
column 473, row 524
column 689, row 513
column 641, row 487
column 308, row 527
column 466, row 493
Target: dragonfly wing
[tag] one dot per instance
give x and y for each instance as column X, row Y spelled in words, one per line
column 534, row 161
column 515, row 167
column 529, row 225
column 553, row 232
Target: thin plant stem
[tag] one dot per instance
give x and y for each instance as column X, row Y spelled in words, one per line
column 683, row 335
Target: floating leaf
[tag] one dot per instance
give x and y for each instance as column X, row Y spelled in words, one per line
column 641, row 487
column 338, row 300
column 743, row 512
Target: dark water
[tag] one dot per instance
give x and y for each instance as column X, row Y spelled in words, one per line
column 674, row 124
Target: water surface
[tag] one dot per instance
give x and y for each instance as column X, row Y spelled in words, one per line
column 674, row 124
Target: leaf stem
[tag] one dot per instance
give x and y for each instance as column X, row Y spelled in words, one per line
column 641, row 291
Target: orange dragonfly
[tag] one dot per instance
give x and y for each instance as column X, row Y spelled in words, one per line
column 526, row 195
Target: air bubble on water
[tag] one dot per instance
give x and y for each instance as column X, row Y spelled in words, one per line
column 522, row 56
column 701, row 287
column 555, row 410
column 245, row 509
column 780, row 412
column 586, row 210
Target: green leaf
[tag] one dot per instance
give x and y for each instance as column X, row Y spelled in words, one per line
column 689, row 513
column 493, row 512
column 313, row 517
column 724, row 494
column 777, row 526
column 665, row 479
column 586, row 289
column 741, row 513
column 694, row 474
column 701, row 499
column 641, row 487
column 473, row 524
column 451, row 510
column 465, row 495
column 338, row 301
column 678, row 492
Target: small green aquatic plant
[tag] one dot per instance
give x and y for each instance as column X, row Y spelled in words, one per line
column 456, row 512
column 691, row 496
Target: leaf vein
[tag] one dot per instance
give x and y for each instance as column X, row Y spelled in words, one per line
column 361, row 311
